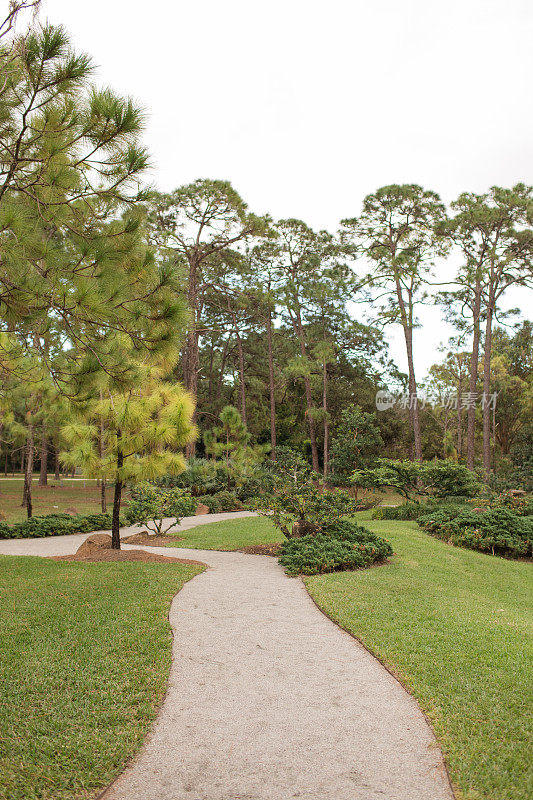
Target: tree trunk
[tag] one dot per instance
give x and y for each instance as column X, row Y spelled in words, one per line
column 57, row 471
column 28, row 472
column 297, row 323
column 43, row 473
column 413, row 398
column 486, row 387
column 472, row 380
column 242, row 388
column 271, row 387
column 191, row 358
column 115, row 525
column 459, row 417
column 103, row 498
column 326, row 421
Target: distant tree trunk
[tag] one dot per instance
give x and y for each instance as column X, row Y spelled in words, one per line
column 486, row 387
column 406, row 316
column 57, row 474
column 103, row 497
column 5, row 465
column 242, row 388
column 459, row 416
column 28, row 472
column 326, row 420
column 191, row 359
column 43, row 472
column 271, row 387
column 299, row 330
column 472, row 381
column 115, row 525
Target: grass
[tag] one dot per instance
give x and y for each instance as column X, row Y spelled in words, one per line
column 455, row 627
column 86, row 652
column 82, row 496
column 231, row 535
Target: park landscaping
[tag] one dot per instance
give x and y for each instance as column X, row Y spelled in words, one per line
column 451, row 624
column 86, row 651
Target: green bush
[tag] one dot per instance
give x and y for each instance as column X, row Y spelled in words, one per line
column 412, row 511
column 150, row 505
column 499, row 531
column 56, row 525
column 313, row 555
column 342, row 545
column 221, row 501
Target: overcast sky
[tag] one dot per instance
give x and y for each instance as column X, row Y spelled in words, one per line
column 308, row 106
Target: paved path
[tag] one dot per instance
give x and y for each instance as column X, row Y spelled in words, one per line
column 269, row 700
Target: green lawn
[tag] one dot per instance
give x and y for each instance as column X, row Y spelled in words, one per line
column 455, row 627
column 85, row 653
column 77, row 496
column 230, row 535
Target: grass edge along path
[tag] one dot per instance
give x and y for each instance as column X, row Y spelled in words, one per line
column 454, row 626
column 86, row 652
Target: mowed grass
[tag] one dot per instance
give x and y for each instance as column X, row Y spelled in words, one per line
column 231, row 535
column 77, row 496
column 455, row 627
column 85, row 654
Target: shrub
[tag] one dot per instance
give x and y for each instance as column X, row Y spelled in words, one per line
column 56, row 525
column 221, row 501
column 498, row 531
column 347, row 546
column 412, row 511
column 150, row 505
column 437, row 479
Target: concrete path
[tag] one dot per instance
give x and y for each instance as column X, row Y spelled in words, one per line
column 67, row 545
column 269, row 700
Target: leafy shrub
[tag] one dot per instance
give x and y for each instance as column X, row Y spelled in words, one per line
column 412, row 511
column 345, row 546
column 437, row 479
column 497, row 531
column 221, row 501
column 150, row 505
column 208, row 477
column 56, row 525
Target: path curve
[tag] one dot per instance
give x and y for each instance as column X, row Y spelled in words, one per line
column 269, row 700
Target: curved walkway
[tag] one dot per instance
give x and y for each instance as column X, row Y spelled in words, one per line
column 269, row 700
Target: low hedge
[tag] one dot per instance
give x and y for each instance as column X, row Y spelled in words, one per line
column 56, row 525
column 343, row 545
column 499, row 531
column 412, row 511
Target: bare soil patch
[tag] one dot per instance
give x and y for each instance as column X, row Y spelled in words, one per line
column 150, row 539
column 261, row 549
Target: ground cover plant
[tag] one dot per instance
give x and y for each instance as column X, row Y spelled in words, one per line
column 499, row 531
column 85, row 657
column 55, row 525
column 454, row 626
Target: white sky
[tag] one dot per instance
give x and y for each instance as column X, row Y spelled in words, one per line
column 308, row 106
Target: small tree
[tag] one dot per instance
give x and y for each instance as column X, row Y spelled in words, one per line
column 295, row 505
column 144, row 428
column 412, row 479
column 356, row 441
column 152, row 505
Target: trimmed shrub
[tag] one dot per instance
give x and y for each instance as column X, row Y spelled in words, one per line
column 56, row 525
column 344, row 545
column 412, row 511
column 499, row 531
column 150, row 505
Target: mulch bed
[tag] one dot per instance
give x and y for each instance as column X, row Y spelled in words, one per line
column 150, row 539
column 261, row 549
column 127, row 555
